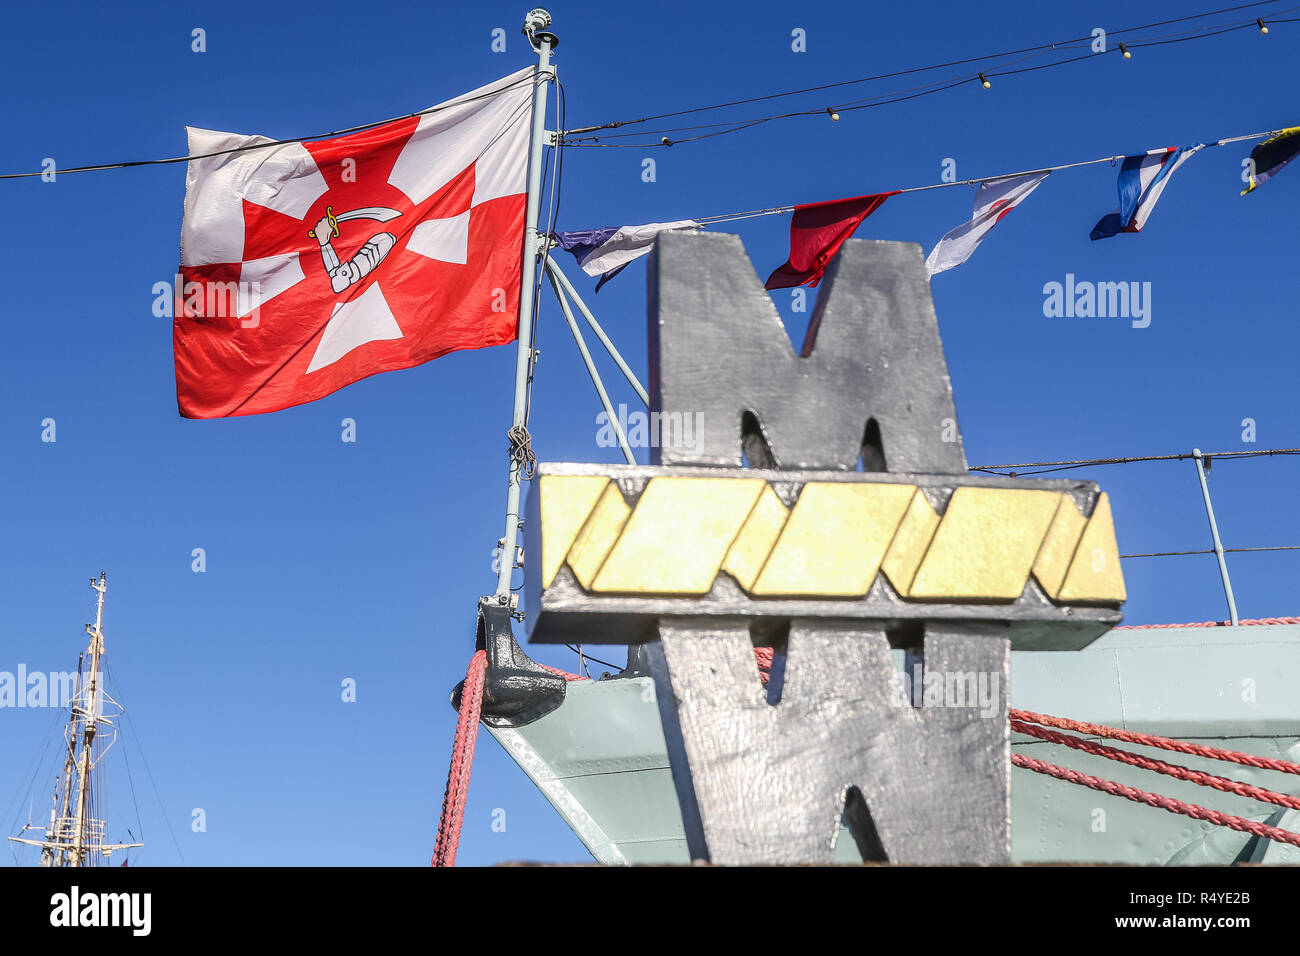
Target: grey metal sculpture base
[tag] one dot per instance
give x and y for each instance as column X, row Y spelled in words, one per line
column 763, row 780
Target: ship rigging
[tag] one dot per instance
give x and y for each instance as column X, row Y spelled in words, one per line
column 74, row 835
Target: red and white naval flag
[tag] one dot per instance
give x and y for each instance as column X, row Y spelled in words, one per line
column 993, row 200
column 306, row 267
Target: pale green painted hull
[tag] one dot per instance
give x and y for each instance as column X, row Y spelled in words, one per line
column 602, row 762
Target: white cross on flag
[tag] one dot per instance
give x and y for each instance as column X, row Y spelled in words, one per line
column 306, row 267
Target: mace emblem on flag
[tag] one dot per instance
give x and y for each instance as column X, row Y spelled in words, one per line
column 344, row 275
column 366, row 252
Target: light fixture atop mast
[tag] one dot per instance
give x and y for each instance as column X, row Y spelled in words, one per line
column 535, row 23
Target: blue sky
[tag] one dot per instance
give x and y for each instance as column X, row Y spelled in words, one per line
column 329, row 560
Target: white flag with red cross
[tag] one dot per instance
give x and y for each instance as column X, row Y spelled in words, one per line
column 307, row 266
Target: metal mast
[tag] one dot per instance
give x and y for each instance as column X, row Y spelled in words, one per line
column 75, row 835
column 535, row 25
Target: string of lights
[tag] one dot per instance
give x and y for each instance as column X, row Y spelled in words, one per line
column 992, row 69
column 997, row 65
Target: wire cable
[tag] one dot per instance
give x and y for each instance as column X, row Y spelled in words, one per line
column 561, row 113
column 737, row 126
column 1045, row 47
column 126, row 760
column 1038, row 50
column 587, row 656
column 34, row 775
column 1089, row 462
column 1112, row 159
column 880, row 99
column 1169, row 554
column 271, row 143
column 157, row 794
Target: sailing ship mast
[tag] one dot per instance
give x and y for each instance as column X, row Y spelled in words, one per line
column 75, row 834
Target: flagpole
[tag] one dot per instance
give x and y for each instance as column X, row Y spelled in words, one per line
column 535, row 23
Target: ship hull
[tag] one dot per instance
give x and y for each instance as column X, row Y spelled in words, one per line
column 602, row 762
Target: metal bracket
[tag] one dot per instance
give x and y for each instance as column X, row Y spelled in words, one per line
column 517, row 690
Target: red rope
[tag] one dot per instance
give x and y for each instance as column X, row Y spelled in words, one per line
column 560, row 673
column 1222, row 784
column 1157, row 800
column 462, row 761
column 1149, row 740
